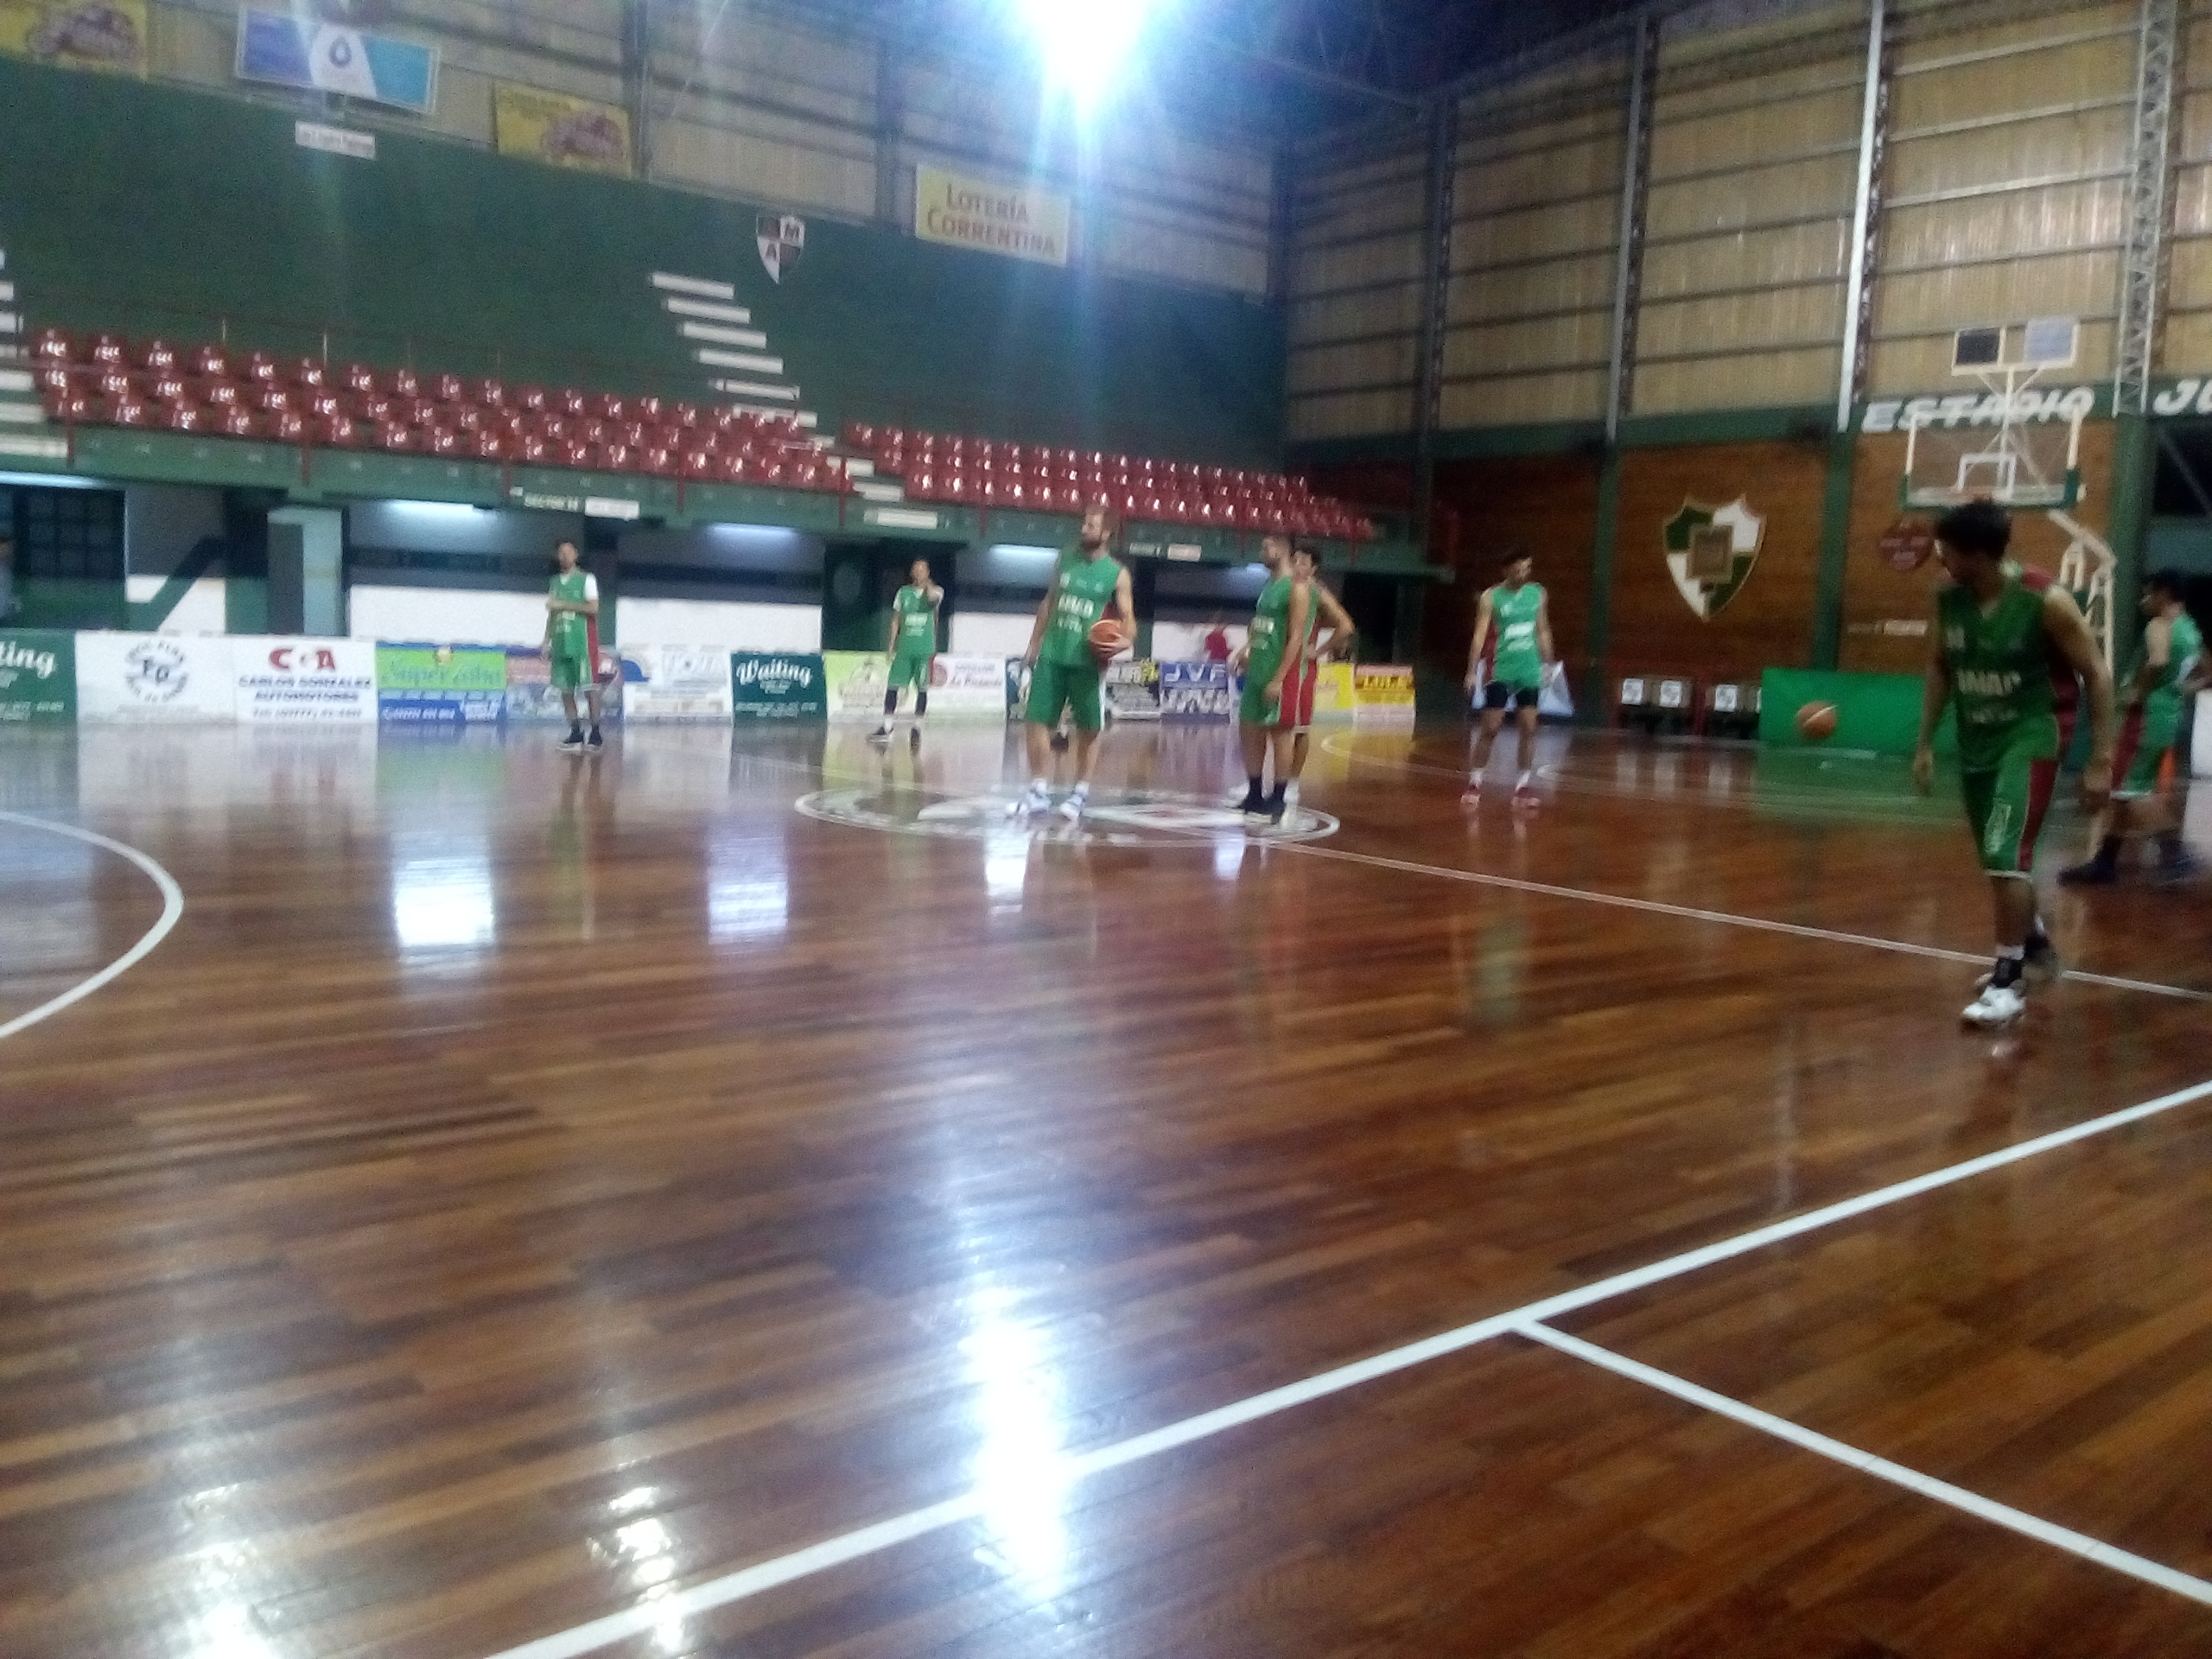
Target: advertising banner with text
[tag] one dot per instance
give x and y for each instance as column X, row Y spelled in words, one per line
column 777, row 685
column 1195, row 691
column 679, row 682
column 108, row 34
column 305, row 682
column 556, row 128
column 441, row 685
column 1016, row 221
column 156, row 677
column 1133, row 689
column 38, row 676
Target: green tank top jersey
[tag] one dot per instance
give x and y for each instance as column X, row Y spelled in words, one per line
column 1999, row 665
column 1270, row 640
column 917, row 622
column 1513, row 613
column 1085, row 589
column 2184, row 645
column 571, row 629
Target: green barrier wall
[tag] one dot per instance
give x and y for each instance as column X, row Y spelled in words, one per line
column 1879, row 713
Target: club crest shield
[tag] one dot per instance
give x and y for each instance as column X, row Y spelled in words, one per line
column 782, row 239
column 1710, row 552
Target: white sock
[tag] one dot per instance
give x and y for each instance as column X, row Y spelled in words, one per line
column 1526, row 779
column 1040, row 785
column 1290, row 792
column 1080, row 790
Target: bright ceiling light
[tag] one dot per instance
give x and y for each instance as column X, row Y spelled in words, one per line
column 1084, row 42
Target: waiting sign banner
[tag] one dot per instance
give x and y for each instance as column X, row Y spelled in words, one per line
column 1012, row 219
column 777, row 685
column 38, row 676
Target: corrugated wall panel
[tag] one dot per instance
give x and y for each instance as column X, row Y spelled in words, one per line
column 2004, row 191
column 1526, row 399
column 1754, row 163
column 2186, row 347
column 1355, row 314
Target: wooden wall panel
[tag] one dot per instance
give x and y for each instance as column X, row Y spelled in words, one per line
column 1546, row 504
column 1770, row 623
column 1881, row 606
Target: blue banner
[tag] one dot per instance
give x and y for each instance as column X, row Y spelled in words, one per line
column 1195, row 691
column 288, row 51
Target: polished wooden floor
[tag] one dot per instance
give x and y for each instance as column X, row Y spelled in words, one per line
column 523, row 1188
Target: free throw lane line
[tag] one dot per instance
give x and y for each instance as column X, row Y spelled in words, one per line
column 706, row 1596
column 172, row 909
column 2003, row 1514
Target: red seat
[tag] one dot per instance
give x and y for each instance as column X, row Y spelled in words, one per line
column 448, row 389
column 219, row 394
column 51, row 345
column 470, row 418
column 533, row 398
column 310, row 372
column 400, row 439
column 662, row 460
column 359, row 380
column 687, row 417
column 131, row 411
column 237, row 421
column 570, row 402
column 183, row 418
column 403, row 384
column 616, row 457
column 112, row 382
column 536, row 450
column 575, row 452
column 170, row 389
column 289, row 426
column 108, row 352
column 488, row 445
column 269, row 397
column 648, row 409
column 488, row 393
column 337, row 432
column 157, row 357
column 444, row 441
column 261, row 369
column 700, row 463
column 207, row 363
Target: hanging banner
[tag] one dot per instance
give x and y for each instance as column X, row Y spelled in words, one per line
column 441, row 685
column 554, row 128
column 304, row 682
column 156, row 677
column 38, row 676
column 777, row 685
column 108, row 34
column 679, row 682
column 1012, row 220
column 288, row 51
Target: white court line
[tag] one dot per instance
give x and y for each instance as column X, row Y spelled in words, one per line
column 2065, row 1538
column 866, row 1541
column 1690, row 913
column 172, row 909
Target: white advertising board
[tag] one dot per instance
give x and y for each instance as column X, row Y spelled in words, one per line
column 679, row 682
column 152, row 676
column 305, row 682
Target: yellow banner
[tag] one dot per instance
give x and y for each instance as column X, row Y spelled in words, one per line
column 1383, row 686
column 108, row 34
column 1007, row 219
column 1333, row 696
column 553, row 127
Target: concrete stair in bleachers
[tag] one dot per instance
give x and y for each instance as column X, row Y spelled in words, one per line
column 24, row 430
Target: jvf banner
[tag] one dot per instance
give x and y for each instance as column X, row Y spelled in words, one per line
column 1133, row 689
column 38, row 676
column 107, row 35
column 288, row 51
column 441, row 685
column 153, row 677
column 679, row 682
column 777, row 685
column 1195, row 691
column 305, row 682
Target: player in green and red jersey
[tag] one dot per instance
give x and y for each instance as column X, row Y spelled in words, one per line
column 1064, row 675
column 912, row 647
column 1274, row 649
column 1301, row 684
column 1991, row 657
column 570, row 642
column 2173, row 649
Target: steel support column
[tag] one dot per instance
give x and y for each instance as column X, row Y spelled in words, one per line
column 1635, row 189
column 1436, row 294
column 2143, row 264
column 1866, row 216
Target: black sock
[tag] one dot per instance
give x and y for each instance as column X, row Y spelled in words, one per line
column 575, row 729
column 890, row 704
column 2008, row 968
column 2169, row 844
column 921, row 704
column 1253, row 794
column 2108, row 851
column 594, row 728
column 1276, row 798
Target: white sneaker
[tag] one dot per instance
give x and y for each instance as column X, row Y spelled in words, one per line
column 1071, row 807
column 1032, row 802
column 881, row 734
column 1998, row 1005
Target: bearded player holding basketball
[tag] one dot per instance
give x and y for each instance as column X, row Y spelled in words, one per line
column 1517, row 610
column 1063, row 674
column 1994, row 636
column 912, row 647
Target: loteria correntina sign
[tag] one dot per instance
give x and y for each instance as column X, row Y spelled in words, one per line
column 1008, row 219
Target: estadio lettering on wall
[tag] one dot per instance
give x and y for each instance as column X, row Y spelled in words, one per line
column 1983, row 409
column 156, row 677
column 1016, row 221
column 441, row 685
column 38, row 676
column 305, row 682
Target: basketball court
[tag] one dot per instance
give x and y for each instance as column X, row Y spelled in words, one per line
column 739, row 1195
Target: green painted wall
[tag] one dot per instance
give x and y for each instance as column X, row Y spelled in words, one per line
column 149, row 209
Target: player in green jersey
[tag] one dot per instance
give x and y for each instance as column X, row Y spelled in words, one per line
column 2166, row 674
column 571, row 625
column 1274, row 651
column 1991, row 657
column 1064, row 675
column 1518, row 612
column 1301, row 684
column 912, row 647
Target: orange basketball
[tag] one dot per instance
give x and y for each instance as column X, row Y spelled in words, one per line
column 1107, row 640
column 1817, row 721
